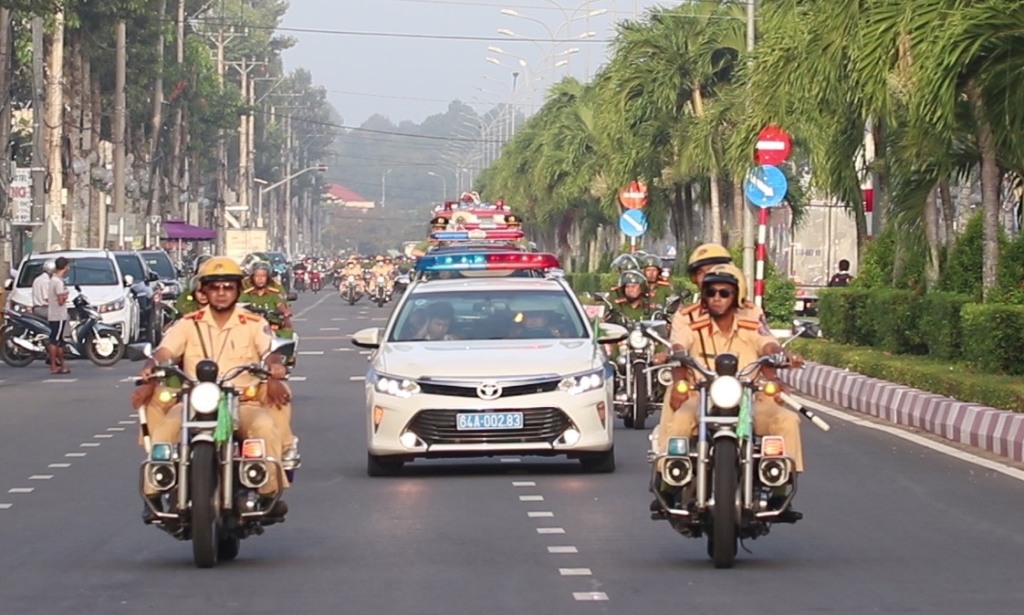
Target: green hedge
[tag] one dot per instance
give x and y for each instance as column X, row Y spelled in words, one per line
column 844, row 316
column 896, row 316
column 993, row 337
column 957, row 380
column 940, row 324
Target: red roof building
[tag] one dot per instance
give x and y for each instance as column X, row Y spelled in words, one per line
column 336, row 194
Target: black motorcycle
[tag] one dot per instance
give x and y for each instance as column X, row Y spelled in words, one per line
column 24, row 337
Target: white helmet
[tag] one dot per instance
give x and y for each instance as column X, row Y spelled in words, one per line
column 50, row 266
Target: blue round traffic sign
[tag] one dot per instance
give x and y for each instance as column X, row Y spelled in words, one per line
column 765, row 186
column 633, row 222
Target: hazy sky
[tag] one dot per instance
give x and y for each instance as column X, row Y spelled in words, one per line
column 413, row 76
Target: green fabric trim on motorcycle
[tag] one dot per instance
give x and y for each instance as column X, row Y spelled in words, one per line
column 225, row 426
column 744, row 426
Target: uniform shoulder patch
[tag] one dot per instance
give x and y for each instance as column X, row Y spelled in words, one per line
column 620, row 300
column 197, row 315
column 751, row 325
column 689, row 309
column 700, row 324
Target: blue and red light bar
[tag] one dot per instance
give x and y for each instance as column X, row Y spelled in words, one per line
column 495, row 234
column 499, row 261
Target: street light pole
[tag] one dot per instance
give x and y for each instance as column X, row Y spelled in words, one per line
column 287, row 180
column 384, row 187
column 444, row 185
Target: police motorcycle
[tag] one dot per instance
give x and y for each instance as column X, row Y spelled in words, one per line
column 636, row 389
column 381, row 292
column 276, row 320
column 349, row 289
column 209, row 483
column 24, row 337
column 720, row 483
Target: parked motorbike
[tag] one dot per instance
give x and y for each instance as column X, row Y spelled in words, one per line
column 721, row 483
column 316, row 282
column 209, row 483
column 350, row 289
column 24, row 337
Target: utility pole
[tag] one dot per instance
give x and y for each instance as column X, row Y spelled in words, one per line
column 119, row 126
column 55, row 133
column 748, row 213
column 176, row 136
column 220, row 39
column 38, row 138
column 288, row 186
column 6, row 207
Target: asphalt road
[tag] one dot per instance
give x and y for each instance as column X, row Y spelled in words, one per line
column 890, row 527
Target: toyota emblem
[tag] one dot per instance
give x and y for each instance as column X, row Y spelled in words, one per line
column 488, row 390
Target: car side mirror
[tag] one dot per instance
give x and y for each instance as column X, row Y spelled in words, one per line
column 128, row 280
column 8, row 284
column 153, row 277
column 610, row 333
column 368, row 338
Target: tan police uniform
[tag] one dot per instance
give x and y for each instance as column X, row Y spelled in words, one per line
column 243, row 340
column 695, row 331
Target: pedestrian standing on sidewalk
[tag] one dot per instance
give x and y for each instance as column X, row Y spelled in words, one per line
column 58, row 317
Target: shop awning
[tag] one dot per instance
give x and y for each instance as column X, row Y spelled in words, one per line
column 179, row 229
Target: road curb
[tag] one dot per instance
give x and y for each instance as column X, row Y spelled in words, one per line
column 998, row 431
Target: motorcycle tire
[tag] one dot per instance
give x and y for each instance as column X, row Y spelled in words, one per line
column 640, row 396
column 11, row 354
column 202, row 480
column 104, row 360
column 725, row 481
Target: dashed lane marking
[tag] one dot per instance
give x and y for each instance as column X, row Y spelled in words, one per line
column 356, row 378
column 575, row 572
column 299, row 319
column 563, row 549
column 523, row 483
column 297, row 378
column 330, row 329
column 540, row 514
column 21, row 490
column 531, row 498
column 379, row 318
column 126, row 422
column 89, row 444
column 5, row 506
column 60, row 380
column 338, row 319
column 311, row 352
column 364, row 352
column 589, row 596
column 104, row 435
column 40, row 477
column 344, row 349
column 550, row 530
column 59, row 465
column 74, row 454
column 115, row 428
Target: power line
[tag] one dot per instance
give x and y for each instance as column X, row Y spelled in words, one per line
column 379, row 132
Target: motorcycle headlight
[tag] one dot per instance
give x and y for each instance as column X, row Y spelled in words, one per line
column 726, row 392
column 351, row 278
column 204, row 397
column 582, row 383
column 637, row 340
column 398, row 387
column 113, row 306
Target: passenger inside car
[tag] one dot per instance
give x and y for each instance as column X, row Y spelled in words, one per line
column 439, row 318
column 533, row 325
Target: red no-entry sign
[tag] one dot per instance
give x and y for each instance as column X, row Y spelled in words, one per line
column 773, row 146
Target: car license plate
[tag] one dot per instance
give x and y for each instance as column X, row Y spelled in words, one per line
column 474, row 421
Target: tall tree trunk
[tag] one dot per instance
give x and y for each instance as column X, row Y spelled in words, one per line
column 738, row 203
column 156, row 119
column 6, row 39
column 98, row 202
column 715, row 222
column 931, row 229
column 948, row 213
column 77, row 179
column 990, row 180
column 54, row 107
column 689, row 232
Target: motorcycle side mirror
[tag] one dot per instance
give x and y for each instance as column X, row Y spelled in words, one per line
column 681, row 356
column 128, row 280
column 282, row 346
column 292, row 297
column 138, row 352
column 78, row 287
column 656, row 330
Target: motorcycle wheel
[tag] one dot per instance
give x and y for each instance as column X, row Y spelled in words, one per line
column 12, row 355
column 202, row 477
column 640, row 396
column 104, row 349
column 722, row 538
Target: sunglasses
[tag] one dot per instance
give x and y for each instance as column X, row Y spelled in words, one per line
column 724, row 293
column 219, row 287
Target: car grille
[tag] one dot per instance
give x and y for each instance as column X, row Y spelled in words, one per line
column 469, row 390
column 539, row 425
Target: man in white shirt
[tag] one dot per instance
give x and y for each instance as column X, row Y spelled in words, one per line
column 58, row 317
column 41, row 290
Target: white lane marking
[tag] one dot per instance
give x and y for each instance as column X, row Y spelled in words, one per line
column 21, row 490
column 115, row 428
column 300, row 319
column 589, row 596
column 74, row 454
column 297, row 378
column 59, row 465
column 344, row 349
column 89, row 444
column 365, row 351
column 988, row 464
column 565, row 549
column 330, row 329
column 338, row 319
column 104, row 435
column 356, row 378
column 523, row 483
column 531, row 498
column 60, row 380
column 511, row 460
column 381, row 318
column 539, row 514
column 550, row 530
column 126, row 422
column 311, row 352
column 5, row 506
column 40, row 477
column 575, row 572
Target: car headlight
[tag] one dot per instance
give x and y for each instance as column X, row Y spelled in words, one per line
column 20, row 308
column 582, row 383
column 398, row 387
column 637, row 340
column 113, row 306
column 204, row 397
column 726, row 392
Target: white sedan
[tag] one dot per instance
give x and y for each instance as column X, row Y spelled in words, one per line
column 474, row 367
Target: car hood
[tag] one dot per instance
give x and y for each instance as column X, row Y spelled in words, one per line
column 487, row 359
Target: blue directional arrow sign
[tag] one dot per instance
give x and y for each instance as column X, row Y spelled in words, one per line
column 633, row 222
column 765, row 186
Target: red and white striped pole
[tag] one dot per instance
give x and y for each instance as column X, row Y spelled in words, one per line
column 761, row 255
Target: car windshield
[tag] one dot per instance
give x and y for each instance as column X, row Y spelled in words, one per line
column 276, row 258
column 88, row 271
column 488, row 315
column 131, row 265
column 161, row 264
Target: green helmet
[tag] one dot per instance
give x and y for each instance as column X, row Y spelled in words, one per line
column 652, row 260
column 262, row 265
column 632, row 276
column 626, row 262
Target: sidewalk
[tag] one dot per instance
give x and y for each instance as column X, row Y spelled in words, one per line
column 998, row 431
